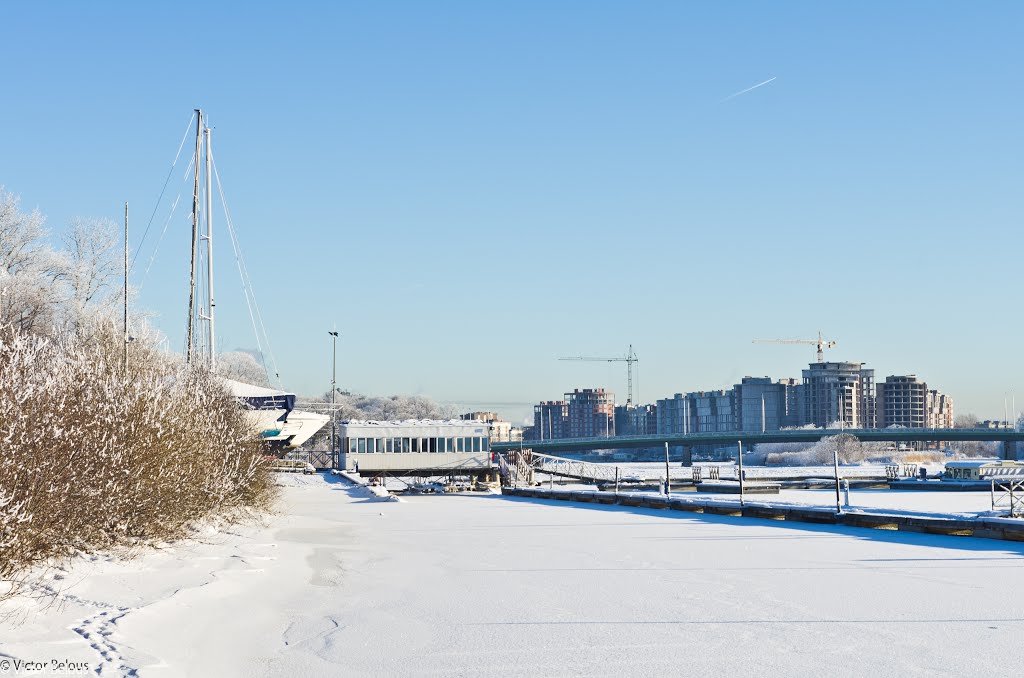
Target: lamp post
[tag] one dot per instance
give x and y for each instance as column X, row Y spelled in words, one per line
column 334, row 391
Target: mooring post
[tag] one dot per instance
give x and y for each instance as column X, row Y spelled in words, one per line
column 668, row 483
column 740, row 443
column 846, row 493
column 616, row 481
column 835, row 461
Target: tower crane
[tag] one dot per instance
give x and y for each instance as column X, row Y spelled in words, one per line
column 629, row 359
column 820, row 343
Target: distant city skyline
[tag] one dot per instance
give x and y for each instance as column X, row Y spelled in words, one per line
column 469, row 191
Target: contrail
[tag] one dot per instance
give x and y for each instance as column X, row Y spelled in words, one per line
column 744, row 91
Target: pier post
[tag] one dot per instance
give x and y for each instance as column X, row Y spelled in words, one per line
column 668, row 482
column 835, row 460
column 740, row 469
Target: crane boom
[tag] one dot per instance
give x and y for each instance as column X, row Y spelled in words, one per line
column 820, row 343
column 629, row 359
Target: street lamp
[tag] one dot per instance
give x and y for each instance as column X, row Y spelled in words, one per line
column 334, row 410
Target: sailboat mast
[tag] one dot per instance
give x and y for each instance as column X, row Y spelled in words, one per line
column 195, row 242
column 209, row 254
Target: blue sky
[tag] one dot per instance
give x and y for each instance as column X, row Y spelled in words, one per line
column 470, row 190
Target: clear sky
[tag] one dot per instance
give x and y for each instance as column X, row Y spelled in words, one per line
column 470, row 190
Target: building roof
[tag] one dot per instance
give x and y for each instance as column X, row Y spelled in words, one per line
column 466, row 423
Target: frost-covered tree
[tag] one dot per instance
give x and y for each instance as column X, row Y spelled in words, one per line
column 965, row 420
column 242, row 366
column 30, row 271
column 93, row 255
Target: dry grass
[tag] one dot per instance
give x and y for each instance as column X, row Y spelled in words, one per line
column 94, row 458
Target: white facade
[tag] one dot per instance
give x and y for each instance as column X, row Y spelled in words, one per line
column 414, row 446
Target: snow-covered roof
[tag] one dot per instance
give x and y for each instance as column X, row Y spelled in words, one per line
column 468, row 423
column 979, row 463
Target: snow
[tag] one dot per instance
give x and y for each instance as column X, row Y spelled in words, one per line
column 339, row 583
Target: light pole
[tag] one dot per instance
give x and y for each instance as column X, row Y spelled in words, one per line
column 334, row 391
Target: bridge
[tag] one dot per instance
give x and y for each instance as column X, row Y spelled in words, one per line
column 689, row 440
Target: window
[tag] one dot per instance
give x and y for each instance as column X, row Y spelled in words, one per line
column 351, row 445
column 362, row 445
column 415, row 444
column 486, row 444
column 476, row 444
column 433, row 444
column 406, row 445
column 380, row 445
column 459, row 443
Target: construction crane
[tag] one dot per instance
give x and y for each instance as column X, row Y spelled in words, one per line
column 629, row 359
column 820, row 343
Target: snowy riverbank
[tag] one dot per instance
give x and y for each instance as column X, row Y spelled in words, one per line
column 338, row 583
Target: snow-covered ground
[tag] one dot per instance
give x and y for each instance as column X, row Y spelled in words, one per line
column 479, row 585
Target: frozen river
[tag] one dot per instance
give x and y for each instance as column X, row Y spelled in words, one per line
column 482, row 585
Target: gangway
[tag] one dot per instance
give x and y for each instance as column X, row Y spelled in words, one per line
column 518, row 467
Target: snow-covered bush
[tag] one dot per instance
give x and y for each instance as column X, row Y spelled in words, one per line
column 93, row 455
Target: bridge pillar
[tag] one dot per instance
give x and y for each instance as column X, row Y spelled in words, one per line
column 1011, row 450
column 687, row 455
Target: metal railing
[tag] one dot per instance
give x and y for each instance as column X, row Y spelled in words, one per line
column 520, row 466
column 1008, row 495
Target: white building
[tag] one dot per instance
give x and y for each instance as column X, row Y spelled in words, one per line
column 415, row 447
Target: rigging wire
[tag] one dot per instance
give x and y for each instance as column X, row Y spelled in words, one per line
column 162, row 190
column 163, row 232
column 250, row 295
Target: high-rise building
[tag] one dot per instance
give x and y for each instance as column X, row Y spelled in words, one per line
column 764, row 405
column 697, row 412
column 550, row 420
column 940, row 410
column 839, row 392
column 672, row 414
column 636, row 421
column 591, row 413
column 905, row 400
column 754, row 404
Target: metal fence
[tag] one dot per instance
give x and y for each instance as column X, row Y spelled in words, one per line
column 320, row 460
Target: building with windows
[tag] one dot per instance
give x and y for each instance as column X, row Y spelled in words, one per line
column 550, row 420
column 839, row 392
column 940, row 410
column 908, row 402
column 501, row 431
column 637, row 420
column 591, row 412
column 415, row 447
column 698, row 412
column 764, row 405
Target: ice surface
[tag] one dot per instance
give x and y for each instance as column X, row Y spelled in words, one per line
column 481, row 585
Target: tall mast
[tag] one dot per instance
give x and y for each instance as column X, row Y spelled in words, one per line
column 195, row 242
column 209, row 255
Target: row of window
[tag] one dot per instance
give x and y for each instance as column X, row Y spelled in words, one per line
column 399, row 445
